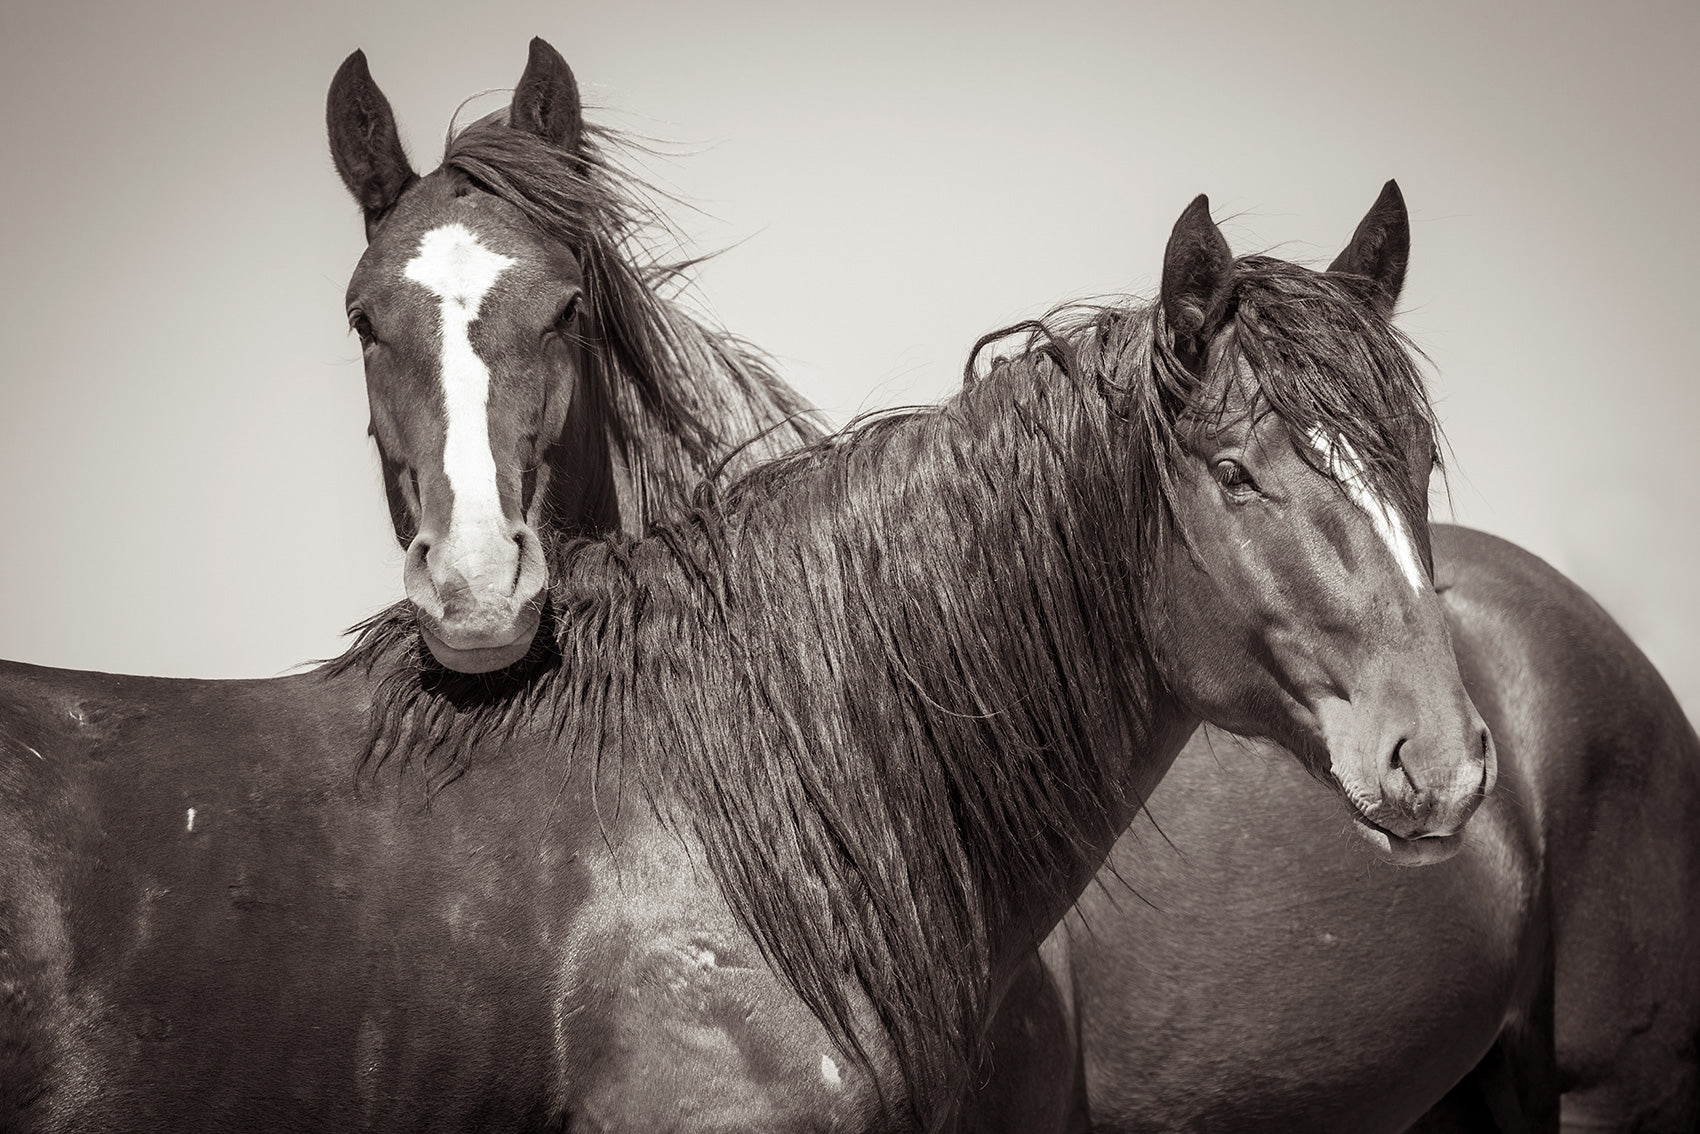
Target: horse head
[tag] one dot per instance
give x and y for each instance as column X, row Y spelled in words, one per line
column 471, row 329
column 1302, row 488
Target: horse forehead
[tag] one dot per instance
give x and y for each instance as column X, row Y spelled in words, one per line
column 456, row 265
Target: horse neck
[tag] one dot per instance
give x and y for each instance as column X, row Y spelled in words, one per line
column 585, row 490
column 896, row 685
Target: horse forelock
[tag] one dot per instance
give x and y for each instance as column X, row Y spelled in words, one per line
column 1336, row 372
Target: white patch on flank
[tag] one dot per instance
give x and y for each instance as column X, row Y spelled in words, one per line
column 829, row 1071
column 191, row 825
column 453, row 266
column 1348, row 469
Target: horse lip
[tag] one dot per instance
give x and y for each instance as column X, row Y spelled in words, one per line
column 1400, row 851
column 483, row 657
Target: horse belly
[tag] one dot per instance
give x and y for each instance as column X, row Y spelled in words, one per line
column 1261, row 970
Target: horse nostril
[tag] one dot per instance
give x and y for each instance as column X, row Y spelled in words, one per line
column 1397, row 763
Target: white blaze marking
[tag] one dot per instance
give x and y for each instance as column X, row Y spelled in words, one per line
column 191, row 826
column 453, row 266
column 1348, row 469
column 829, row 1070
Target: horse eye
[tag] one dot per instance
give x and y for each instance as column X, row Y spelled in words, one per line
column 361, row 326
column 569, row 310
column 1234, row 477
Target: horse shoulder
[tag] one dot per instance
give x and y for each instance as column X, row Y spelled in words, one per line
column 673, row 1020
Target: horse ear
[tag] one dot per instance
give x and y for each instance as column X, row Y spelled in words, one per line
column 364, row 144
column 1197, row 268
column 546, row 100
column 1380, row 249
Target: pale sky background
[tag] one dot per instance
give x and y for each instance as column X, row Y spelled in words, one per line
column 186, row 486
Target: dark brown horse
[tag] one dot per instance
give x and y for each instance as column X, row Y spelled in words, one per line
column 1240, row 964
column 787, row 790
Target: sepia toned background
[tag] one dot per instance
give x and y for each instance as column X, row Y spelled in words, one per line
column 186, row 487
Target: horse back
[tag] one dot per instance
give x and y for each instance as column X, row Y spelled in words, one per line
column 207, row 922
column 212, row 919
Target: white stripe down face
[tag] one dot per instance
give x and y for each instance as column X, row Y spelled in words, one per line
column 456, row 268
column 1345, row 466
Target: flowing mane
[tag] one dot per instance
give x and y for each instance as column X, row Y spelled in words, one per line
column 815, row 666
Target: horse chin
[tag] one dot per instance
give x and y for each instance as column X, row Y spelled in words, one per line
column 481, row 659
column 1426, row 851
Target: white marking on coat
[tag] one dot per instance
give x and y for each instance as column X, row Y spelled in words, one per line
column 191, row 826
column 829, row 1071
column 456, row 268
column 1347, row 468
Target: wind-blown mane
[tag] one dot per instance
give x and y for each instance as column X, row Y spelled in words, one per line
column 678, row 399
column 685, row 398
column 890, row 681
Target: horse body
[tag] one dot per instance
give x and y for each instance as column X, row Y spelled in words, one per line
column 1614, row 767
column 1237, row 969
column 208, row 927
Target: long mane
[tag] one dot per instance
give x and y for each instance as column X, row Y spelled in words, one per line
column 890, row 681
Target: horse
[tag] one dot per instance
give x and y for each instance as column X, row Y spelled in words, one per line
column 800, row 776
column 1213, row 976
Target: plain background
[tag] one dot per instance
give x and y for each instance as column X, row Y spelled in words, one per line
column 185, row 483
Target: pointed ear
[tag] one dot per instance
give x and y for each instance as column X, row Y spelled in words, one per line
column 364, row 143
column 546, row 100
column 1197, row 268
column 1380, row 250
